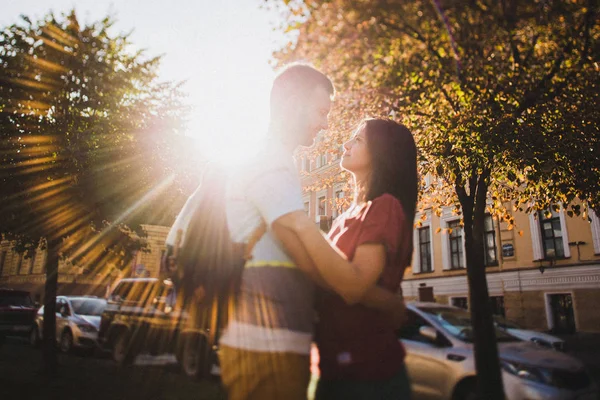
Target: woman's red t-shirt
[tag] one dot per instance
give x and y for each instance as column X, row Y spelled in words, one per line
column 356, row 342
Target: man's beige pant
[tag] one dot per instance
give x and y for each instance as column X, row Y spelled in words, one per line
column 252, row 375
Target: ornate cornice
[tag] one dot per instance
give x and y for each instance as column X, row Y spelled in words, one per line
column 557, row 278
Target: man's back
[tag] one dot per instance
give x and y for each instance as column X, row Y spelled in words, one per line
column 275, row 306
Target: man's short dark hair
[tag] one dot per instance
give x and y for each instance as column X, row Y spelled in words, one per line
column 298, row 80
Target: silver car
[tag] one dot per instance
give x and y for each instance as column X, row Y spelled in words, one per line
column 441, row 362
column 539, row 338
column 77, row 322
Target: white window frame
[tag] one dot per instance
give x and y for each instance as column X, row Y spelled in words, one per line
column 416, row 260
column 319, row 194
column 320, row 160
column 338, row 187
column 536, row 235
column 595, row 231
column 445, row 219
column 306, row 199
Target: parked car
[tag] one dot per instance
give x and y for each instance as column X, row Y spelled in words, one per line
column 440, row 360
column 539, row 338
column 77, row 322
column 17, row 313
column 142, row 315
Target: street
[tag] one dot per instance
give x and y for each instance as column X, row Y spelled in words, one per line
column 91, row 378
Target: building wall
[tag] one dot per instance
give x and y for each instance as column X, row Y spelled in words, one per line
column 71, row 279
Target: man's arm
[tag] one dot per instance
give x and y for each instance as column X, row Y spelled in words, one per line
column 295, row 249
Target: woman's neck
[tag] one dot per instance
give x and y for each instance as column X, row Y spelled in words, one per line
column 360, row 188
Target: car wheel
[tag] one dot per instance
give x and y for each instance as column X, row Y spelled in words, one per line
column 66, row 342
column 34, row 337
column 123, row 352
column 195, row 360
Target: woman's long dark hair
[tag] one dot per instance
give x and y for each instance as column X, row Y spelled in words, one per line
column 394, row 164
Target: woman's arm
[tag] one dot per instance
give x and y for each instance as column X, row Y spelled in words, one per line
column 350, row 279
column 375, row 297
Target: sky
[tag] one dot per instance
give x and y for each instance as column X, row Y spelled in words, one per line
column 221, row 48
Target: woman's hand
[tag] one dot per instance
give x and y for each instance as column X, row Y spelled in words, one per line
column 398, row 314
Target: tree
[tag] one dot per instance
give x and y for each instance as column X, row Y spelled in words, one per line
column 89, row 135
column 501, row 96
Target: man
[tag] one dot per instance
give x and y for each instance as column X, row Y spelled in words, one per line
column 264, row 350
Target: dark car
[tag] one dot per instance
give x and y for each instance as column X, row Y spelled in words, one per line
column 17, row 313
column 142, row 315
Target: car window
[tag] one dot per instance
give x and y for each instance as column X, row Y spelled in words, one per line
column 63, row 308
column 457, row 322
column 92, row 307
column 136, row 292
column 411, row 329
column 15, row 300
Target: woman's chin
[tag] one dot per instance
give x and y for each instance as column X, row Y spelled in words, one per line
column 346, row 165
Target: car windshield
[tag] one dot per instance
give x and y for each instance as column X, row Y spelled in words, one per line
column 16, row 299
column 458, row 323
column 93, row 307
column 135, row 292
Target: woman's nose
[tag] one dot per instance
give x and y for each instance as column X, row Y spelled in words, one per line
column 348, row 144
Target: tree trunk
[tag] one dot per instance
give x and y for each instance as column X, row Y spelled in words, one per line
column 487, row 362
column 49, row 327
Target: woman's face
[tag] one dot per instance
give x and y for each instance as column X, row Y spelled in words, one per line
column 356, row 158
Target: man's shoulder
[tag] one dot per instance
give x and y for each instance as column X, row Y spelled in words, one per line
column 264, row 162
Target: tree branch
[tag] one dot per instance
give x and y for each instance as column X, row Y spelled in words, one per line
column 509, row 25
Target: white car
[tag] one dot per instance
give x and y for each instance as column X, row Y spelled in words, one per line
column 539, row 338
column 441, row 363
column 77, row 322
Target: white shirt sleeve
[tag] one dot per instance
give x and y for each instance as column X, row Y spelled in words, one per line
column 275, row 193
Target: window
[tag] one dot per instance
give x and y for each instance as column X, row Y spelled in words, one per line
column 497, row 305
column 321, row 206
column 549, row 235
column 460, row 302
column 455, row 239
column 489, row 242
column 32, row 262
column 552, row 236
column 340, row 152
column 20, row 263
column 2, row 260
column 321, row 160
column 305, row 164
column 425, row 249
column 595, row 225
column 411, row 330
column 307, row 207
column 339, row 197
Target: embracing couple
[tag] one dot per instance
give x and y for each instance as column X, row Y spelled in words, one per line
column 299, row 286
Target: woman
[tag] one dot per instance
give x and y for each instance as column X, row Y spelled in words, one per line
column 360, row 355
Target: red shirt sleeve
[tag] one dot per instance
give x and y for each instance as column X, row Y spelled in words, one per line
column 383, row 222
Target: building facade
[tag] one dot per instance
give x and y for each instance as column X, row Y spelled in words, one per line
column 19, row 271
